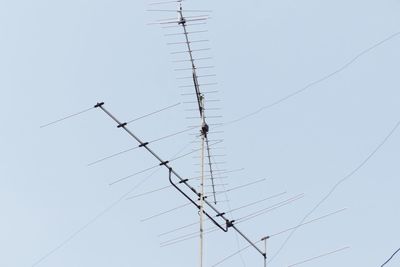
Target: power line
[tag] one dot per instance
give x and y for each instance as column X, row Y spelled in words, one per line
column 98, row 216
column 391, row 257
column 279, row 233
column 91, row 222
column 333, row 189
column 320, row 256
column 322, row 79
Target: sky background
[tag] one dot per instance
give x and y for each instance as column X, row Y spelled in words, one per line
column 60, row 57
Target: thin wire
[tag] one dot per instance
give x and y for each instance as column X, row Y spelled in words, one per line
column 320, row 256
column 391, row 257
column 92, row 221
column 188, row 10
column 279, row 233
column 134, row 174
column 113, row 155
column 149, row 192
column 165, row 212
column 348, row 176
column 165, row 2
column 152, row 113
column 177, row 229
column 308, row 222
column 155, row 166
column 194, row 151
column 242, row 186
column 172, row 135
column 234, row 254
column 192, row 235
column 324, row 78
column 191, row 224
column 257, row 202
column 136, row 147
column 67, row 117
column 98, row 216
column 230, row 211
column 269, row 209
column 150, row 168
column 218, row 173
column 188, row 237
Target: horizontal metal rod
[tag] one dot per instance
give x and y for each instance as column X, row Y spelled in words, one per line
column 196, row 68
column 203, row 84
column 190, row 51
column 194, row 59
column 187, row 18
column 176, row 21
column 198, row 76
column 221, row 172
column 204, row 93
column 188, row 24
column 182, row 33
column 208, row 100
column 208, row 117
column 165, row 2
column 177, row 11
column 196, row 41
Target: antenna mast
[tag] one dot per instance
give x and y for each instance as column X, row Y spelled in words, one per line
column 205, row 207
column 203, row 130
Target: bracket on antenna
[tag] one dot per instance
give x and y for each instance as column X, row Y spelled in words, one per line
column 193, row 202
column 229, row 224
column 99, row 105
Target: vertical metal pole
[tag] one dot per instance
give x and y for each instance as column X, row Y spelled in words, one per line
column 265, row 249
column 203, row 137
column 265, row 256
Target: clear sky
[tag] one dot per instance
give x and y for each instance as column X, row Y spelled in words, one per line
column 60, row 57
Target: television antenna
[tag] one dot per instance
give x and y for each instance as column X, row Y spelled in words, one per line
column 196, row 197
column 206, row 208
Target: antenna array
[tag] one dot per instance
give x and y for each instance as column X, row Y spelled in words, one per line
column 185, row 23
column 198, row 198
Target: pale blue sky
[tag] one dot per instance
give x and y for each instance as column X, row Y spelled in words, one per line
column 59, row 57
